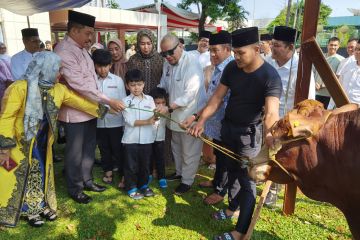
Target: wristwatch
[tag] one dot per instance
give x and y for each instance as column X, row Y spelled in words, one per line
column 170, row 110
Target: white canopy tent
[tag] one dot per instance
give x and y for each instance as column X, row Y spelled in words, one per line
column 30, row 7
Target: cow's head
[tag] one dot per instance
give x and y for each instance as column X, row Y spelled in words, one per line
column 292, row 132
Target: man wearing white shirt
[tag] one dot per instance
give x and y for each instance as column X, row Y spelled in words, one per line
column 351, row 45
column 21, row 60
column 350, row 77
column 202, row 52
column 265, row 46
column 285, row 60
column 183, row 80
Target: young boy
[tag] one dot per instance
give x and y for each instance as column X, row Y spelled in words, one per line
column 110, row 128
column 138, row 136
column 157, row 158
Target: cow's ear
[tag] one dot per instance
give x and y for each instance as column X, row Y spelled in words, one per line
column 303, row 126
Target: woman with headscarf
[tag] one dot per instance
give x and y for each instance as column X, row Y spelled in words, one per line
column 5, row 77
column 118, row 58
column 28, row 123
column 147, row 59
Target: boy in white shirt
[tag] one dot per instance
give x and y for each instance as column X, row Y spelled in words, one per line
column 109, row 129
column 139, row 135
column 157, row 157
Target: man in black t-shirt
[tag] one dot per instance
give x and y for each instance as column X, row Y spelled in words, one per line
column 255, row 85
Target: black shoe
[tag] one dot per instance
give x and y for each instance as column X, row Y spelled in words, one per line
column 173, row 177
column 35, row 221
column 94, row 188
column 82, row 198
column 182, row 188
column 270, row 200
column 147, row 192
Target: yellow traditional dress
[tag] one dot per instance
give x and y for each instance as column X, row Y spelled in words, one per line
column 24, row 185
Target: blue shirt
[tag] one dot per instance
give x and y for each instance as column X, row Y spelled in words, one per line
column 213, row 124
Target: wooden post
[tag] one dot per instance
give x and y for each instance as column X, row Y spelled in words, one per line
column 313, row 51
column 257, row 210
column 311, row 13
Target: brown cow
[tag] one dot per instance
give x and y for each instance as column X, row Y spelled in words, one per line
column 321, row 155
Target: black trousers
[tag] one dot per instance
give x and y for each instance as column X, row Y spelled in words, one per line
column 111, row 148
column 323, row 99
column 220, row 180
column 79, row 154
column 245, row 141
column 136, row 166
column 158, row 159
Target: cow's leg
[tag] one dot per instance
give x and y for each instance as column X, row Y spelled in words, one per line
column 353, row 219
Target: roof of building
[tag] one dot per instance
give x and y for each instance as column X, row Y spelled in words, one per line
column 346, row 20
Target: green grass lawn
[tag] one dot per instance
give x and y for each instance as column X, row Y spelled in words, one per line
column 113, row 215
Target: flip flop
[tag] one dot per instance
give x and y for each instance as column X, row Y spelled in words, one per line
column 221, row 215
column 213, row 198
column 224, row 236
column 206, row 184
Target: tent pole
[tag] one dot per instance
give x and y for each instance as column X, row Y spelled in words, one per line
column 28, row 21
column 159, row 3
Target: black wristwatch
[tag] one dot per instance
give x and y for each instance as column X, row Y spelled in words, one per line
column 170, row 110
column 196, row 116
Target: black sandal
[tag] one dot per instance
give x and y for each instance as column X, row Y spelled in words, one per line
column 108, row 179
column 49, row 214
column 35, row 221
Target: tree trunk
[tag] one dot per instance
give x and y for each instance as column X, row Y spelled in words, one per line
column 202, row 18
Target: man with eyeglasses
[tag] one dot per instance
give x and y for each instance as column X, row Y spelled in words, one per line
column 202, row 52
column 21, row 60
column 182, row 79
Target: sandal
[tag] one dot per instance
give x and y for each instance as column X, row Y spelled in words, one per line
column 221, row 215
column 213, row 198
column 206, row 184
column 49, row 214
column 35, row 221
column 225, row 236
column 108, row 178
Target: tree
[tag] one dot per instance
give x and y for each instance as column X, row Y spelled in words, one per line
column 229, row 10
column 113, row 4
column 280, row 20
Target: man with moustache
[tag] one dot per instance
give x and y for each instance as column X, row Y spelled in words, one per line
column 78, row 73
column 254, row 85
column 350, row 49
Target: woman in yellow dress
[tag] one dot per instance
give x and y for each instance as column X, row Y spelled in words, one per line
column 27, row 126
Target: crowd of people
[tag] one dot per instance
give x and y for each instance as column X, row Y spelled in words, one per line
column 143, row 106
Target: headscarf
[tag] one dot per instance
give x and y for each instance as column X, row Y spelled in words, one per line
column 150, row 35
column 150, row 65
column 40, row 76
column 119, row 67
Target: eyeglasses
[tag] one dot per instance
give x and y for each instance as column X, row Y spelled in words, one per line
column 169, row 52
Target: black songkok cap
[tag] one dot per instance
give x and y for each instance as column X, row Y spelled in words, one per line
column 265, row 37
column 29, row 32
column 81, row 18
column 204, row 34
column 245, row 36
column 286, row 34
column 222, row 37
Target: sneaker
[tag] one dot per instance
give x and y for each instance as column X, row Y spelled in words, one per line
column 162, row 183
column 182, row 188
column 147, row 192
column 173, row 177
column 136, row 195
